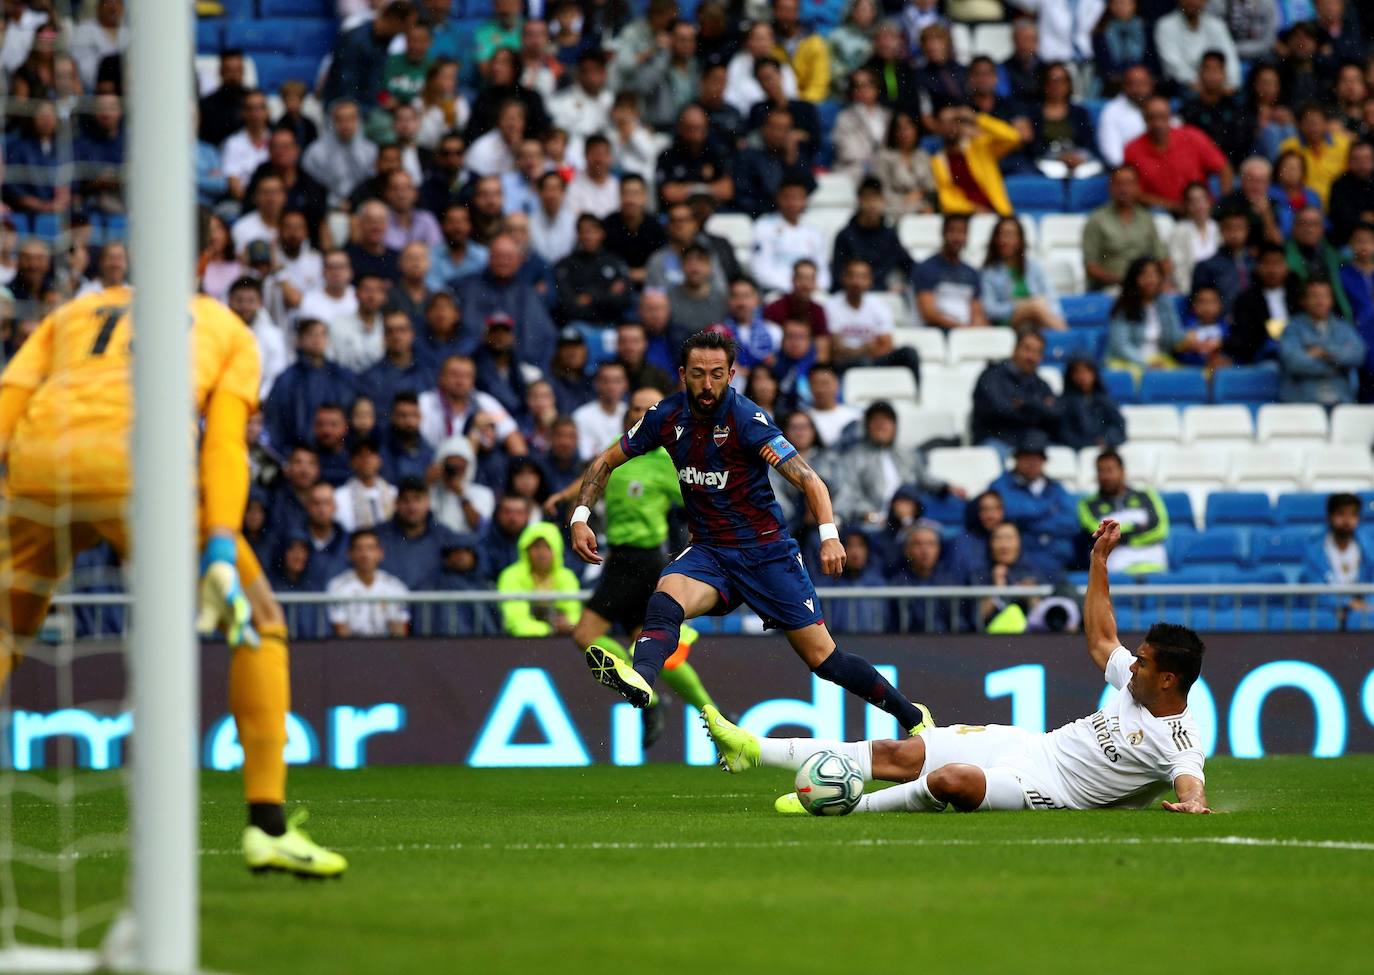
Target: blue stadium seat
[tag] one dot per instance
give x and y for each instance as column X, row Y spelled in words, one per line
column 115, row 225
column 300, row 8
column 45, row 226
column 1121, row 385
column 1086, row 194
column 1300, row 509
column 1366, row 506
column 273, row 69
column 1245, row 508
column 1176, row 386
column 1089, row 309
column 209, row 36
column 1094, row 106
column 1216, row 547
column 1282, row 548
column 1249, row 385
column 1036, row 193
column 477, row 9
column 238, row 9
column 313, row 37
column 1179, row 505
column 258, row 35
column 818, row 13
column 1078, row 343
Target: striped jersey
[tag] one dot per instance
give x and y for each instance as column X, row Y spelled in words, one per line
column 722, row 465
column 1122, row 755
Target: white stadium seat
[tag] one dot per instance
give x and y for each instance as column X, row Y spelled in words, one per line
column 950, row 388
column 1061, row 232
column 1164, row 226
column 917, row 424
column 1338, row 467
column 737, row 228
column 1296, row 425
column 1053, row 378
column 1061, row 464
column 980, row 344
column 1272, row 470
column 920, row 234
column 340, row 228
column 961, row 39
column 902, row 315
column 971, row 468
column 1065, row 271
column 829, row 220
column 864, row 384
column 835, row 190
column 1156, row 422
column 992, row 41
column 1196, row 470
column 928, row 342
column 1218, row 427
column 1353, row 424
column 1141, row 460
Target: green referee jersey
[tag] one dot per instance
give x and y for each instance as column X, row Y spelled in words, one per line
column 638, row 497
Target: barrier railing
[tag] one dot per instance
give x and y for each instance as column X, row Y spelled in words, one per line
column 860, row 609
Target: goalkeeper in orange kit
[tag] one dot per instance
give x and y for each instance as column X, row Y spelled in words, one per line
column 66, row 417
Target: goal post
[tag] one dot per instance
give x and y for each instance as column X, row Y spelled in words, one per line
column 163, row 650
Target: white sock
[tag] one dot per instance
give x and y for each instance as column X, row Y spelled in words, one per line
column 907, row 797
column 790, row 753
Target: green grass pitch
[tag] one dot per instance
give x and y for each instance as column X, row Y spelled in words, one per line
column 667, row 869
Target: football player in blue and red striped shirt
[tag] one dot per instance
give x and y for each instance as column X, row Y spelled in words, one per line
column 722, row 445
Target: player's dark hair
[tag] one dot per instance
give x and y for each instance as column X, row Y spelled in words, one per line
column 331, row 407
column 551, row 174
column 1212, row 54
column 1178, row 650
column 590, row 218
column 593, row 141
column 405, row 396
column 789, row 182
column 710, row 339
column 363, row 444
column 305, row 324
column 1340, row 501
column 1110, row 454
column 951, row 219
column 630, row 178
column 362, row 533
column 246, row 283
column 411, row 485
column 696, row 250
column 804, row 262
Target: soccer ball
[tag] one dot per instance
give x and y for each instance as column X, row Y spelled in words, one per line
column 829, row 784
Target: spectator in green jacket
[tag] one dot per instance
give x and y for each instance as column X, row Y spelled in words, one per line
column 539, row 568
column 1140, row 511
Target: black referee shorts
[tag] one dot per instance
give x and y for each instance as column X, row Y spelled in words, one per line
column 629, row 579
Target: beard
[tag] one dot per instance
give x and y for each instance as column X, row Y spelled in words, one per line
column 705, row 402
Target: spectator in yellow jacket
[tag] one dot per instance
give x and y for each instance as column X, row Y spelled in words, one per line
column 1325, row 149
column 967, row 176
column 539, row 568
column 805, row 51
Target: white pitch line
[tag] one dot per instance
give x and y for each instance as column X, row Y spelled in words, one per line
column 669, row 846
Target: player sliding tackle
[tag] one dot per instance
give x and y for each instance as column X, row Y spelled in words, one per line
column 721, row 444
column 1125, row 755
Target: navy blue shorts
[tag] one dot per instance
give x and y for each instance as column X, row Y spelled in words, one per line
column 770, row 579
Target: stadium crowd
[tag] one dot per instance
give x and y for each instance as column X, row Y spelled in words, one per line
column 461, row 247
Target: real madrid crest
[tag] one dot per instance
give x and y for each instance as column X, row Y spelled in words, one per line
column 1136, row 737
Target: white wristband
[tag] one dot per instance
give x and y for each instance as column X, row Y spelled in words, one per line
column 580, row 515
column 829, row 531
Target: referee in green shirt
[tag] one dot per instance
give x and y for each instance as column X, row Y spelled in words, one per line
column 639, row 496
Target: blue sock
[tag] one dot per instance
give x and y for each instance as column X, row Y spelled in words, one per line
column 857, row 676
column 659, row 637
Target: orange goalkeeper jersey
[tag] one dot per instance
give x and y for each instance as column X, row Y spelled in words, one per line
column 69, row 390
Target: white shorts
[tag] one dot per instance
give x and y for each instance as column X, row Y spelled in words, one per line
column 997, row 746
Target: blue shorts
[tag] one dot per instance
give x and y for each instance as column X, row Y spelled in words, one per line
column 770, row 579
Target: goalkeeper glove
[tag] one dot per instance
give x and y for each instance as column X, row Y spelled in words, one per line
column 223, row 604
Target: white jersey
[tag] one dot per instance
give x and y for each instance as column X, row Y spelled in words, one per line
column 1122, row 755
column 779, row 245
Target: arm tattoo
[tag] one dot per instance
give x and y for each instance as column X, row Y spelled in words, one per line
column 594, row 482
column 797, row 471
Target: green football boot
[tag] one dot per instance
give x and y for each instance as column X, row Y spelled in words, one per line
column 789, row 805
column 293, row 852
column 926, row 720
column 620, row 677
column 738, row 749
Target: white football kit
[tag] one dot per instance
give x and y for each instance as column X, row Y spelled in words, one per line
column 1120, row 756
